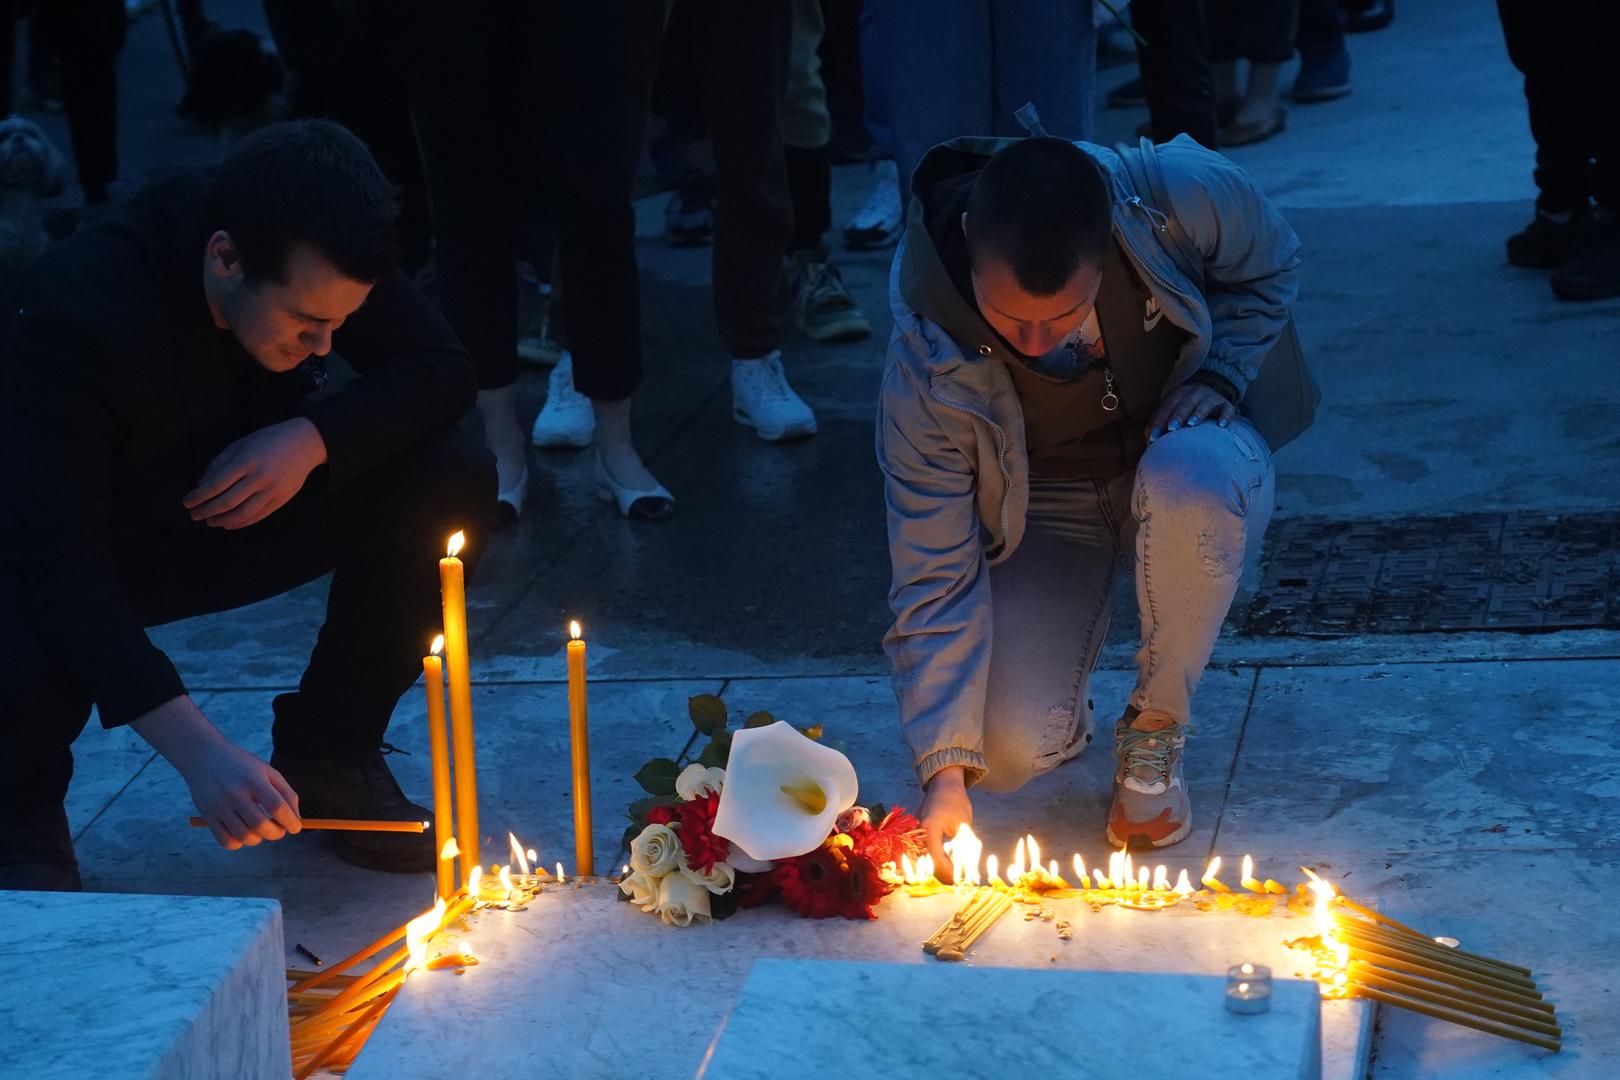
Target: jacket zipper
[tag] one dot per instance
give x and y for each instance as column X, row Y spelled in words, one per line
column 1001, row 452
column 1158, row 220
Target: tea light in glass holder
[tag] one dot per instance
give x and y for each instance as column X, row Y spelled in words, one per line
column 1248, row 988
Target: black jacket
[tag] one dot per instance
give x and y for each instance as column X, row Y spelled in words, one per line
column 117, row 390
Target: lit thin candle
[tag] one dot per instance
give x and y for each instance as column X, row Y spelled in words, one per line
column 453, row 587
column 580, row 744
column 444, row 818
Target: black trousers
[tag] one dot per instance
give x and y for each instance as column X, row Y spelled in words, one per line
column 1572, row 87
column 738, row 56
column 381, row 537
column 1175, row 68
column 87, row 35
column 1259, row 31
column 518, row 102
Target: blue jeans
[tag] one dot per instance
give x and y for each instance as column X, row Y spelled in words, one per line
column 961, row 67
column 1186, row 521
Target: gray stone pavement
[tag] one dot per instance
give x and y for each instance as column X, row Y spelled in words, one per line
column 1466, row 781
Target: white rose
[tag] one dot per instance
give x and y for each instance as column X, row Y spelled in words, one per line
column 719, row 878
column 641, row 889
column 682, row 901
column 853, row 817
column 697, row 781
column 656, row 851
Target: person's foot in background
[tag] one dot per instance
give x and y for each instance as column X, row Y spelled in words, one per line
column 689, row 215
column 1549, row 240
column 822, row 306
column 1593, row 271
column 1259, row 114
column 534, row 341
column 878, row 222
column 1362, row 16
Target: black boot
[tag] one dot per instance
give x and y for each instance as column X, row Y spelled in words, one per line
column 1546, row 242
column 1593, row 272
column 361, row 787
column 36, row 851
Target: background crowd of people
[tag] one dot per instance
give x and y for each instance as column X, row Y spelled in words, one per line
column 518, row 135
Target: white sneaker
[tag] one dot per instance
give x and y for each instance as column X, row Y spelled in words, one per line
column 762, row 399
column 566, row 419
column 878, row 223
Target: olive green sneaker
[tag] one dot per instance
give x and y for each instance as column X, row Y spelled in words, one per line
column 822, row 307
column 1151, row 809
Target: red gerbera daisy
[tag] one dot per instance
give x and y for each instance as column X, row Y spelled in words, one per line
column 865, row 886
column 815, row 884
column 898, row 834
column 703, row 848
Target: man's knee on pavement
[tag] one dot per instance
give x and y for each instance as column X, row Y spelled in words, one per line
column 1015, row 753
column 454, row 471
column 1199, row 470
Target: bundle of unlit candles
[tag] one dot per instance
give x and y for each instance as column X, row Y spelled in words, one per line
column 952, row 940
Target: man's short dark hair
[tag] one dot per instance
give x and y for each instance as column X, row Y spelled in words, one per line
column 305, row 182
column 1043, row 207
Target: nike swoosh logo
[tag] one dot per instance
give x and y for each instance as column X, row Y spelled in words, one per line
column 1151, row 317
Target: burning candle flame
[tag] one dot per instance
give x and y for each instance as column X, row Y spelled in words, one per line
column 475, row 882
column 1144, row 878
column 925, row 869
column 1161, row 878
column 534, row 858
column 574, row 631
column 1183, row 886
column 457, row 541
column 518, row 855
column 561, row 877
column 417, row 933
column 991, row 865
column 1248, row 880
column 449, row 850
column 1034, row 853
column 1052, row 870
column 1081, row 878
column 1211, row 879
column 964, row 849
column 1338, row 950
column 438, row 645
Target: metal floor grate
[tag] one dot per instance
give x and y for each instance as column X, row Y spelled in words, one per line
column 1518, row 571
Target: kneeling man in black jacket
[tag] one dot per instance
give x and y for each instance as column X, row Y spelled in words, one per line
column 167, row 453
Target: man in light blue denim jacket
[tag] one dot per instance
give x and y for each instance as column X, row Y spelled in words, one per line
column 1076, row 331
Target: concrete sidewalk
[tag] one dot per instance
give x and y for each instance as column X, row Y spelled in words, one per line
column 1467, row 781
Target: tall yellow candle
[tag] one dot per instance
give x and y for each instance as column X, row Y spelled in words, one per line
column 579, row 740
column 453, row 588
column 444, row 817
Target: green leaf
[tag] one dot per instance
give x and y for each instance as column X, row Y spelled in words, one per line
column 641, row 807
column 708, row 713
column 657, row 777
column 715, row 755
column 878, row 812
column 629, row 836
column 759, row 719
column 812, row 732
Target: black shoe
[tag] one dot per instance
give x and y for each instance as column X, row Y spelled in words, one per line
column 689, row 215
column 1593, row 272
column 1128, row 95
column 1363, row 16
column 361, row 787
column 1546, row 242
column 36, row 851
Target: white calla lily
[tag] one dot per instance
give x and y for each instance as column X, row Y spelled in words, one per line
column 783, row 792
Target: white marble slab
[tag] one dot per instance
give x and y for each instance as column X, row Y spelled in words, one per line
column 156, row 987
column 581, row 986
column 869, row 1020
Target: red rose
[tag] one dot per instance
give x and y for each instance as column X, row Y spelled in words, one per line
column 696, row 829
column 898, row 834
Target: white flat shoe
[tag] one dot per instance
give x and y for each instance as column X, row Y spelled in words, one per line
column 509, row 503
column 654, row 504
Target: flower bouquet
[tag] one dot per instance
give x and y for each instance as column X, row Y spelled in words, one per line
column 762, row 814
